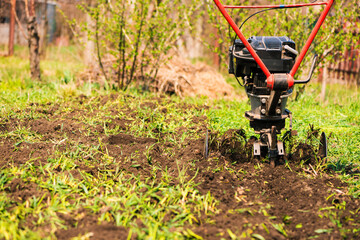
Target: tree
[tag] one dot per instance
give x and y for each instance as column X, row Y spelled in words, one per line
column 32, row 36
column 33, row 40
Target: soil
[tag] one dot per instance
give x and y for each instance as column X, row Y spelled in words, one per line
column 177, row 76
column 90, row 226
column 251, row 195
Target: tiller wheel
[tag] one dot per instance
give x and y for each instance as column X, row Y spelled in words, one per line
column 267, row 65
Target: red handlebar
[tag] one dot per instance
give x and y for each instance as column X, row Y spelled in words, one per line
column 302, row 54
column 279, row 6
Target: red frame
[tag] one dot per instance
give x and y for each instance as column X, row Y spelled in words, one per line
column 302, row 54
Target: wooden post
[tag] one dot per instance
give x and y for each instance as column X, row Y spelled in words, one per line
column 216, row 57
column 323, row 84
column 12, row 28
column 90, row 46
column 44, row 27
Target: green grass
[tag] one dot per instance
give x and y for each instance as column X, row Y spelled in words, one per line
column 121, row 197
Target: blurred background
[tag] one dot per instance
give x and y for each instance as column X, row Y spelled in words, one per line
column 116, row 43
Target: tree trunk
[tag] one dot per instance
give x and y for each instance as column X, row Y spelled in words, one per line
column 34, row 48
column 323, row 84
column 33, row 40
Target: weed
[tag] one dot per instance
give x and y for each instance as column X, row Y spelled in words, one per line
column 280, row 228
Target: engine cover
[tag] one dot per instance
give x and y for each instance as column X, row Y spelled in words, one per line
column 272, row 51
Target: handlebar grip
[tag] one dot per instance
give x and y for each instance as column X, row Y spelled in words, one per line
column 310, row 73
column 290, row 49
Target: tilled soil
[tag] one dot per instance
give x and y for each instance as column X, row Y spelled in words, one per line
column 293, row 200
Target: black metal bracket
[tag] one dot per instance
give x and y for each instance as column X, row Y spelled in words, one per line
column 310, row 73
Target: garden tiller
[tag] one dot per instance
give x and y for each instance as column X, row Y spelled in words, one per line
column 267, row 66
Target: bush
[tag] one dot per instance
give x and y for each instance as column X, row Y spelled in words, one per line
column 135, row 36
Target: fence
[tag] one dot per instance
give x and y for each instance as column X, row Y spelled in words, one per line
column 347, row 69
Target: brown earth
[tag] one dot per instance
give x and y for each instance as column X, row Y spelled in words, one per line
column 183, row 78
column 176, row 76
column 91, row 228
column 252, row 196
